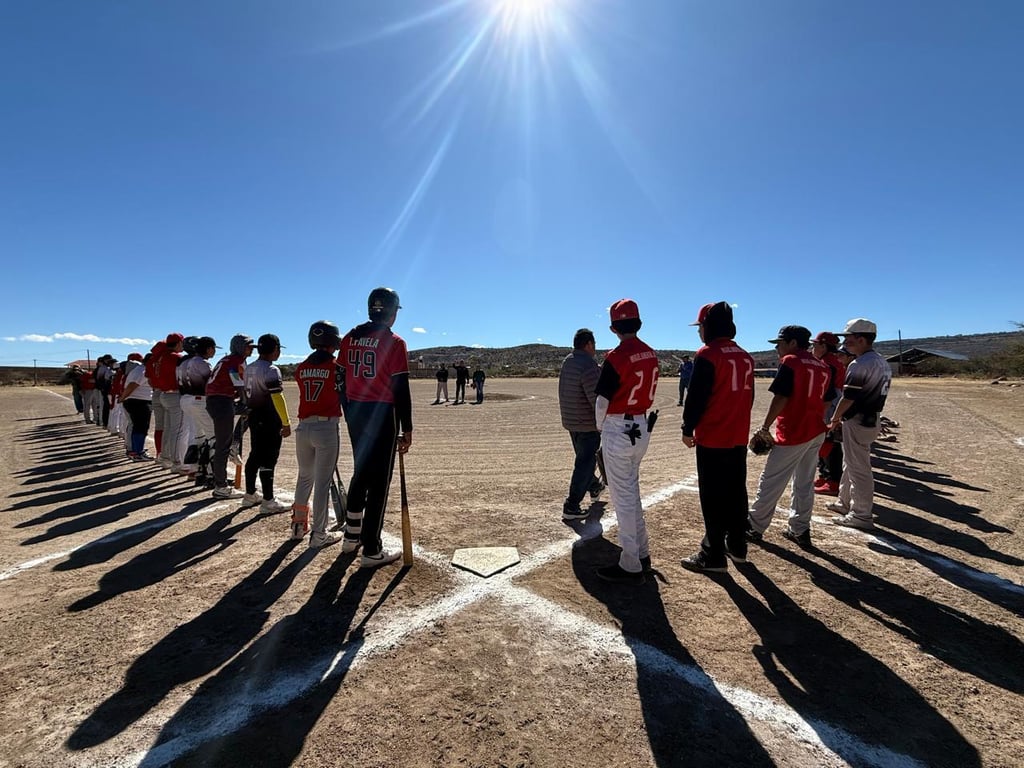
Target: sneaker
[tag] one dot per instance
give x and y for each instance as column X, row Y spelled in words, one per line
column 381, row 558
column 272, row 507
column 735, row 557
column 348, row 546
column 753, row 535
column 849, row 521
column 144, row 456
column 835, row 506
column 224, row 492
column 179, row 469
column 699, row 563
column 802, row 540
column 321, row 540
column 574, row 514
column 596, row 491
column 615, row 574
column 251, row 500
column 165, row 462
column 828, row 489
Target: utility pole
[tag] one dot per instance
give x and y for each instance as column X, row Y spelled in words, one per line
column 899, row 364
column 35, row 377
column 88, row 359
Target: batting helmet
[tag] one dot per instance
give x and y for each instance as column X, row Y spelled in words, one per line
column 240, row 344
column 204, row 343
column 382, row 302
column 268, row 343
column 324, row 333
column 191, row 345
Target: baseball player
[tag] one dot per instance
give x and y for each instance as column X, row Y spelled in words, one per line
column 377, row 405
column 825, row 347
column 166, row 369
column 268, row 423
column 193, row 375
column 224, row 387
column 136, row 397
column 316, row 437
column 716, row 420
column 90, row 397
column 859, row 412
column 104, row 378
column 156, row 405
column 799, row 391
column 625, row 392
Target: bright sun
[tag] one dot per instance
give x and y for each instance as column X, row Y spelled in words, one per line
column 522, row 16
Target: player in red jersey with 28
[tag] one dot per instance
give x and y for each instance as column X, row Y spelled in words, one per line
column 625, row 392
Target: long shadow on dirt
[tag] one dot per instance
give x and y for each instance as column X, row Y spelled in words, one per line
column 193, row 649
column 154, row 565
column 958, row 639
column 831, row 681
column 298, row 662
column 687, row 725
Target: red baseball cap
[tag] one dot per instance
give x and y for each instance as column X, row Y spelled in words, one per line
column 135, row 356
column 624, row 309
column 173, row 339
column 827, row 337
column 702, row 315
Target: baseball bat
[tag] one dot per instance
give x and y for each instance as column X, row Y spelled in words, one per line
column 406, row 524
column 238, row 475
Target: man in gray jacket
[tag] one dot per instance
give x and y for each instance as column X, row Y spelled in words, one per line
column 577, row 382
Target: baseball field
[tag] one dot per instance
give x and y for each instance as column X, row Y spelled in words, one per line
column 143, row 623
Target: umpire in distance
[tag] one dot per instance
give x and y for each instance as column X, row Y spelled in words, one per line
column 577, row 392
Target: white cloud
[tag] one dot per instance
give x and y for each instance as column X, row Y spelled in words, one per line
column 476, row 346
column 419, row 330
column 294, row 357
column 91, row 337
column 540, row 340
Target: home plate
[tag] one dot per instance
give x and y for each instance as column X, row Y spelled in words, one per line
column 485, row 561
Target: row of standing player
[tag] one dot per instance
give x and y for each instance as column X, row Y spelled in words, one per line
column 196, row 421
column 716, row 422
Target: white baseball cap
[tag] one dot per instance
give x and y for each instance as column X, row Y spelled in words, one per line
column 858, row 325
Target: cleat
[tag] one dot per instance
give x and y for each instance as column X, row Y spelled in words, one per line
column 381, row 558
column 251, row 500
column 699, row 563
column 802, row 540
column 617, row 575
column 849, row 521
column 272, row 507
column 574, row 514
column 321, row 540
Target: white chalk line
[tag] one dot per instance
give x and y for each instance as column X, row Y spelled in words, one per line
column 235, row 710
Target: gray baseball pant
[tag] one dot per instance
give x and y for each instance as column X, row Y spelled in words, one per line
column 787, row 464
column 316, row 449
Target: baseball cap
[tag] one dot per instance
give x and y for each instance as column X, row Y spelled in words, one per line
column 624, row 309
column 173, row 338
column 859, row 325
column 135, row 356
column 720, row 308
column 827, row 337
column 268, row 343
column 795, row 333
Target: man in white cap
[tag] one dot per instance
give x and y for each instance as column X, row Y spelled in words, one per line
column 864, row 392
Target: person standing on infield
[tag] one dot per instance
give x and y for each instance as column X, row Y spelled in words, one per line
column 625, row 391
column 716, row 419
column 317, row 440
column 224, row 387
column 479, row 377
column 268, row 424
column 825, row 347
column 378, row 412
column 442, row 384
column 685, row 372
column 577, row 396
column 461, row 377
column 859, row 413
column 799, row 391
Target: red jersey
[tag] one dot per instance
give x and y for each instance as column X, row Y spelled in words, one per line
column 320, row 379
column 629, row 377
column 805, row 381
column 166, row 372
column 226, row 379
column 371, row 356
column 721, row 394
column 155, row 354
column 87, row 381
column 831, row 359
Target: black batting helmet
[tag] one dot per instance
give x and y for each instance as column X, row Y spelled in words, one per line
column 324, row 333
column 382, row 302
column 190, row 345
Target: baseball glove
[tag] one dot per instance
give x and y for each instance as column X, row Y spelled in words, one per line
column 761, row 442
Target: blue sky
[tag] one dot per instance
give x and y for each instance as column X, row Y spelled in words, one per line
column 511, row 167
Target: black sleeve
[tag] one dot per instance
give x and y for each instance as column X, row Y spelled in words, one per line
column 782, row 384
column 403, row 401
column 608, row 382
column 702, row 381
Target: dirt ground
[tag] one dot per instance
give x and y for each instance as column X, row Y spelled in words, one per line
column 144, row 624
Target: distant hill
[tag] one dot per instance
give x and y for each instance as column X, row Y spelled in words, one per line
column 545, row 359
